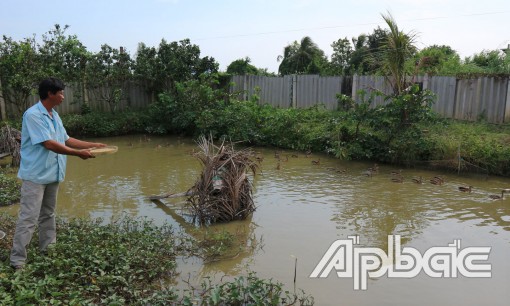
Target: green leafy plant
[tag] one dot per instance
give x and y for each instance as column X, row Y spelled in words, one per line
column 9, row 189
column 93, row 263
column 246, row 290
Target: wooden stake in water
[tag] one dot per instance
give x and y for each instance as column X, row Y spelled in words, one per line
column 458, row 156
column 295, row 270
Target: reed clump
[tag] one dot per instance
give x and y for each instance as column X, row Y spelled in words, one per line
column 223, row 191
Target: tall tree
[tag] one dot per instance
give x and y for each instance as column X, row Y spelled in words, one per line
column 493, row 61
column 171, row 63
column 366, row 58
column 302, row 58
column 242, row 67
column 395, row 51
column 341, row 57
column 358, row 60
column 65, row 57
column 108, row 72
column 146, row 68
column 20, row 71
column 435, row 60
column 376, row 43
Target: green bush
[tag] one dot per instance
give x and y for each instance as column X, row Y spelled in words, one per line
column 178, row 111
column 9, row 189
column 96, row 124
column 237, row 120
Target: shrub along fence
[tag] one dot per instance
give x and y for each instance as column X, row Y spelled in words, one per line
column 472, row 99
column 486, row 98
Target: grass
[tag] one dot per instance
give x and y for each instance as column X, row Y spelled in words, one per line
column 9, row 187
column 482, row 145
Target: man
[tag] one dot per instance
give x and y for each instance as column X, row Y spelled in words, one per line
column 44, row 149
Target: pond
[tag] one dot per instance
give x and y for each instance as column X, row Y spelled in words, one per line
column 302, row 208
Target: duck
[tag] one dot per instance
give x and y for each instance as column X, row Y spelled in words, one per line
column 498, row 197
column 308, row 153
column 367, row 173
column 294, row 156
column 399, row 172
column 278, row 167
column 418, row 180
column 438, row 178
column 374, row 168
column 436, row 181
column 316, row 162
column 398, row 179
column 465, row 189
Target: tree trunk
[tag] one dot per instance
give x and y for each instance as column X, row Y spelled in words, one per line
column 2, row 104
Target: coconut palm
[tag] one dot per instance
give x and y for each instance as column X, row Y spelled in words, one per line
column 300, row 58
column 398, row 48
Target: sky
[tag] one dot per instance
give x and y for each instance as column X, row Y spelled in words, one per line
column 228, row 30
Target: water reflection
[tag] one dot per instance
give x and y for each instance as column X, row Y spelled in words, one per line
column 245, row 243
column 301, row 209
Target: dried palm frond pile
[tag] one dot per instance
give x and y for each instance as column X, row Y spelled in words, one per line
column 10, row 143
column 223, row 192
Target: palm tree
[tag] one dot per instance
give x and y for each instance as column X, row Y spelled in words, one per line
column 396, row 50
column 299, row 58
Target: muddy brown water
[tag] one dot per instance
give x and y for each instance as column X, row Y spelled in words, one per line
column 302, row 209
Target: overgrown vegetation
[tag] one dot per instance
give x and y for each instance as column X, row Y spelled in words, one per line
column 249, row 290
column 124, row 262
column 114, row 264
column 9, row 189
column 481, row 147
column 95, row 124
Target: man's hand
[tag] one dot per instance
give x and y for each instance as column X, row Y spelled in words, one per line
column 80, row 144
column 84, row 154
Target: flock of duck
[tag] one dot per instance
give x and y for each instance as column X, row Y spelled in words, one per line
column 396, row 176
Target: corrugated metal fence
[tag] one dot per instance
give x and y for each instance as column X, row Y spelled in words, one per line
column 135, row 97
column 289, row 91
column 465, row 99
column 485, row 98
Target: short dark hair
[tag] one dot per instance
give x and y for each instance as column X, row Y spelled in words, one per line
column 50, row 85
